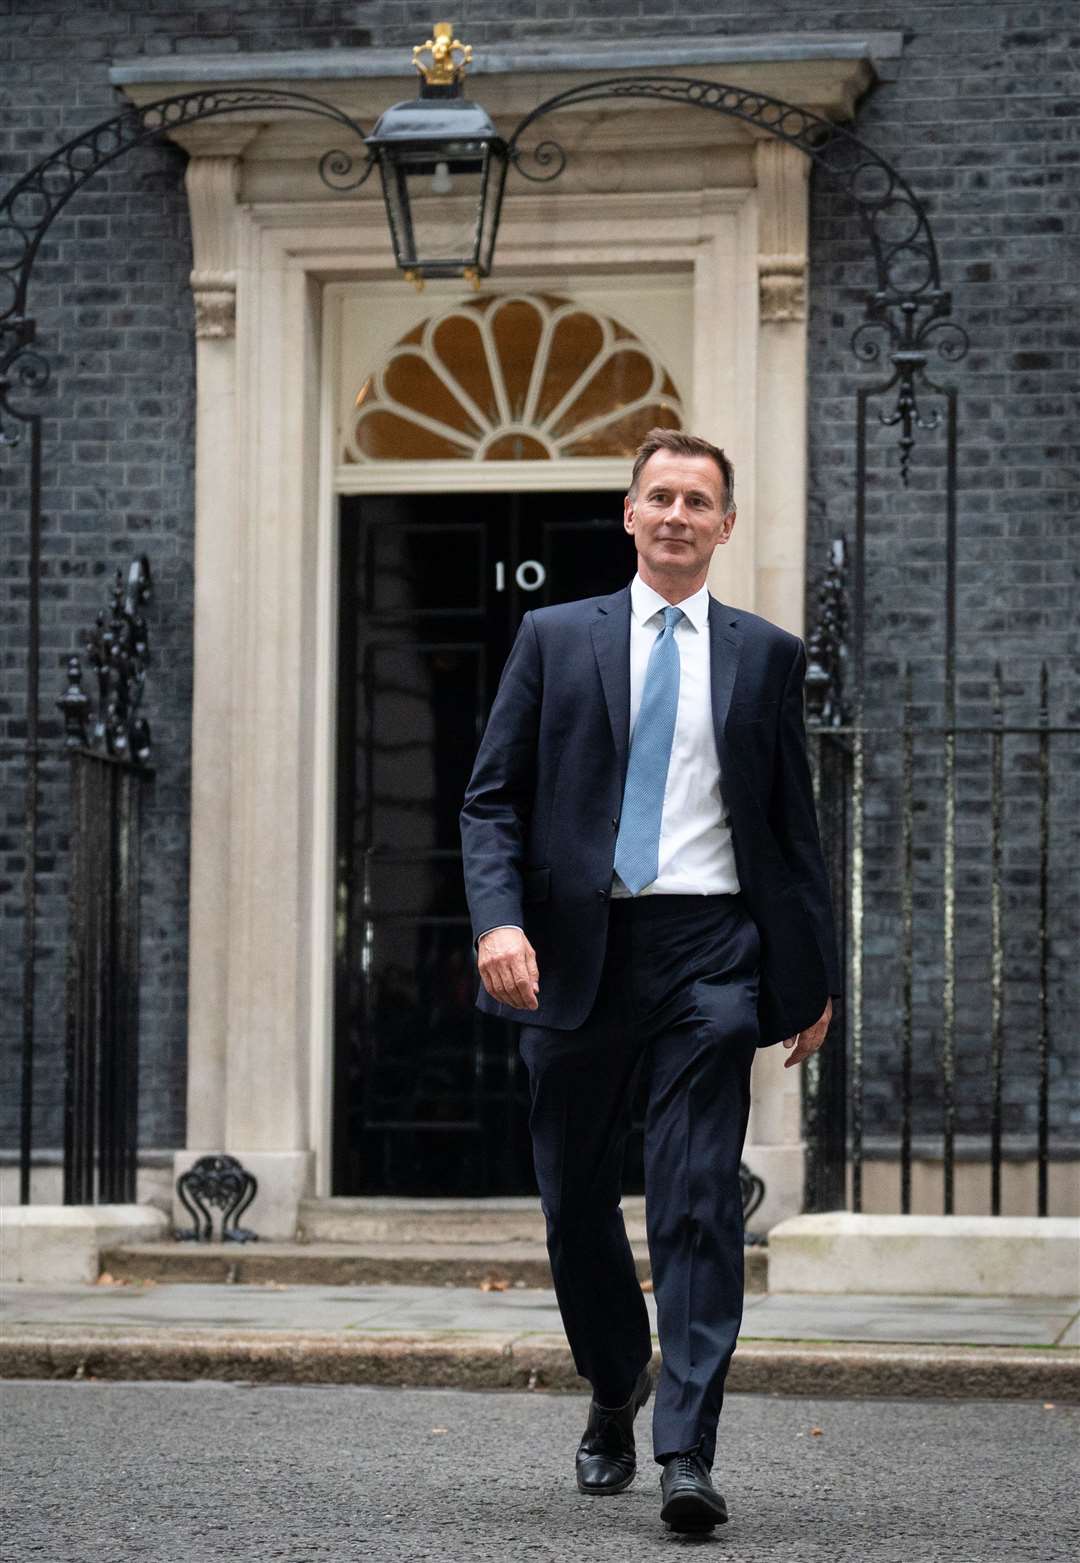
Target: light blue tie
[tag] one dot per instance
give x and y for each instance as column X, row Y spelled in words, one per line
column 637, row 846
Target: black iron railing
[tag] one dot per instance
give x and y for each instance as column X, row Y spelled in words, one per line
column 102, row 1026
column 109, row 746
column 919, row 895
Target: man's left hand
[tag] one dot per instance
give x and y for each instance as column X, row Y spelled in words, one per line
column 807, row 1042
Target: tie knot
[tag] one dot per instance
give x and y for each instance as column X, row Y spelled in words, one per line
column 672, row 617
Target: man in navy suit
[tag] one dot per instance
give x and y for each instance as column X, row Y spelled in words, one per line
column 648, row 895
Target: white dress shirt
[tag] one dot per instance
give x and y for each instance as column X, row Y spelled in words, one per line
column 696, row 854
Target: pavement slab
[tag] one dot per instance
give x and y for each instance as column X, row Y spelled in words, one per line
column 1002, row 1321
column 986, row 1321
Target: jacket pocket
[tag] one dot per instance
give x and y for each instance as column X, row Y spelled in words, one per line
column 537, row 884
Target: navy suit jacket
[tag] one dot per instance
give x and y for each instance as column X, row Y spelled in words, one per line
column 542, row 808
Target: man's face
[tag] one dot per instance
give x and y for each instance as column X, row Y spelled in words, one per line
column 678, row 516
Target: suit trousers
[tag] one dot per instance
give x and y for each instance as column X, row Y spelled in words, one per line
column 677, row 1004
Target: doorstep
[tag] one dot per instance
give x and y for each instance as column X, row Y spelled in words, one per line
column 416, row 1263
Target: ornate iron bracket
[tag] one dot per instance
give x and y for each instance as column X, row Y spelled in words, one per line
column 906, row 333
column 826, row 651
column 219, row 1181
column 117, row 651
column 907, row 311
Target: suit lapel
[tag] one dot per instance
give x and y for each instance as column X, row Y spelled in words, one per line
column 611, row 646
column 725, row 648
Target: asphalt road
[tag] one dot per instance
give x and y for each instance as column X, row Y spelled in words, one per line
column 178, row 1473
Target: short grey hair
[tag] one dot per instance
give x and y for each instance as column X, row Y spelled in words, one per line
column 680, row 444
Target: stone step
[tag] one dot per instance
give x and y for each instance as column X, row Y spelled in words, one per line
column 333, row 1264
column 367, row 1219
column 401, row 1263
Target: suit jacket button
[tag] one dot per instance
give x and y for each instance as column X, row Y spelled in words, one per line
column 602, row 894
column 615, row 823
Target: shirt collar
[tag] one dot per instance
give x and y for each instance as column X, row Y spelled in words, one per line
column 645, row 603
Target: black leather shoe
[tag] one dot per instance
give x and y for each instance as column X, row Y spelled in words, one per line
column 691, row 1502
column 607, row 1459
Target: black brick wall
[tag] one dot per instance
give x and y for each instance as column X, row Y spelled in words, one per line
column 982, row 121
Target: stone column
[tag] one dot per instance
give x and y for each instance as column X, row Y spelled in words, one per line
column 247, row 1087
column 268, row 1013
column 725, row 375
column 211, row 188
column 775, row 1149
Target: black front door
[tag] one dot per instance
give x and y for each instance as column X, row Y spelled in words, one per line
column 430, row 1096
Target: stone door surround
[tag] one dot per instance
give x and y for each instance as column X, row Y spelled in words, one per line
column 648, row 189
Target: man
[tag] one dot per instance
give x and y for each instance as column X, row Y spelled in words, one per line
column 648, row 894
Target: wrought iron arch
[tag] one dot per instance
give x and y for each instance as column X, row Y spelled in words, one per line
column 908, row 312
column 907, row 317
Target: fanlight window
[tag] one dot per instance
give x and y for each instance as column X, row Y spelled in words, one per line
column 512, row 378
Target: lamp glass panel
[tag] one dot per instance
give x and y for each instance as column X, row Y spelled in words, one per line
column 433, row 202
column 492, row 207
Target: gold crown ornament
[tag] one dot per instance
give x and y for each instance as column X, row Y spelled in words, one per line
column 449, row 57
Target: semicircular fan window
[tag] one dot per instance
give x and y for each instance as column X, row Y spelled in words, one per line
column 514, row 377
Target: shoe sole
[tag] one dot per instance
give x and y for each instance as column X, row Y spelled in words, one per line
column 608, row 1491
column 686, row 1512
column 611, row 1491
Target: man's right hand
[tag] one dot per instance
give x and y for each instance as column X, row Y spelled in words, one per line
column 507, row 963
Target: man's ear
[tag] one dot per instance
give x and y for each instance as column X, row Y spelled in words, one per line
column 628, row 514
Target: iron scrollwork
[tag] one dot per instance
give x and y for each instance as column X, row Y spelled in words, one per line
column 908, row 305
column 547, row 159
column 222, row 1182
column 22, row 369
column 908, row 332
column 29, row 208
column 336, row 167
column 752, row 1190
column 118, row 652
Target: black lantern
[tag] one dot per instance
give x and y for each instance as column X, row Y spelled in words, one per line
column 443, row 168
